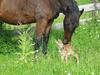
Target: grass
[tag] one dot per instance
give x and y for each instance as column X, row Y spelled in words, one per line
column 86, row 42
column 83, row 2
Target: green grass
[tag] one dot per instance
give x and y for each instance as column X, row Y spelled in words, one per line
column 86, row 42
column 83, row 2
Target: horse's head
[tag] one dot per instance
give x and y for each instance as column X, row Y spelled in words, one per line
column 72, row 15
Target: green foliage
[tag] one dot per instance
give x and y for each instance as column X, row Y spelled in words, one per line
column 25, row 44
column 86, row 42
column 83, row 2
column 8, row 44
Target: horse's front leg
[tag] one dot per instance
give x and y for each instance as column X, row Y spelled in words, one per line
column 46, row 38
column 40, row 28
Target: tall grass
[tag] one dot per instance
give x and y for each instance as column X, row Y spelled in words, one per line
column 86, row 42
column 25, row 45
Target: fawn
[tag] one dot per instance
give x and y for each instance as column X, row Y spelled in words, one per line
column 66, row 50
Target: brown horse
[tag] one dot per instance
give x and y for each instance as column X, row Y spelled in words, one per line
column 43, row 12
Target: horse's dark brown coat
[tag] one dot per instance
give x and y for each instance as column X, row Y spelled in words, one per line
column 27, row 11
column 43, row 12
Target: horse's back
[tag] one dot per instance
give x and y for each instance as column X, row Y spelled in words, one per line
column 23, row 11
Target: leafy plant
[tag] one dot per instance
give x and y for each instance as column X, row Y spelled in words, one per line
column 25, row 45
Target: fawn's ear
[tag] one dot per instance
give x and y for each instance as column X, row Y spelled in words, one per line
column 59, row 41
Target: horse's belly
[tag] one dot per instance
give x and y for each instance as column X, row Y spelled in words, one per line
column 17, row 18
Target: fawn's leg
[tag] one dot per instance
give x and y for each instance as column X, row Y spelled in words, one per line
column 66, row 58
column 77, row 58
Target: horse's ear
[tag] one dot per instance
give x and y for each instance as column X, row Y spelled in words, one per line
column 81, row 12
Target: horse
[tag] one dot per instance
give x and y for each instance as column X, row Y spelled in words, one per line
column 43, row 13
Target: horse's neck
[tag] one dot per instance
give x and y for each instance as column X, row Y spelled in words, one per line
column 55, row 4
column 68, row 6
column 63, row 4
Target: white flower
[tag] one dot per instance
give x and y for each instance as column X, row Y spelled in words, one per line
column 69, row 73
column 92, row 73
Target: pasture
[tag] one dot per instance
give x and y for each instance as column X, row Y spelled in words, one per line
column 16, row 51
column 86, row 42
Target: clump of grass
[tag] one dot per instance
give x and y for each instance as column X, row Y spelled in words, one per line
column 25, row 45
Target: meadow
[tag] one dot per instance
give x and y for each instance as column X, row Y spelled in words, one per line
column 16, row 51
